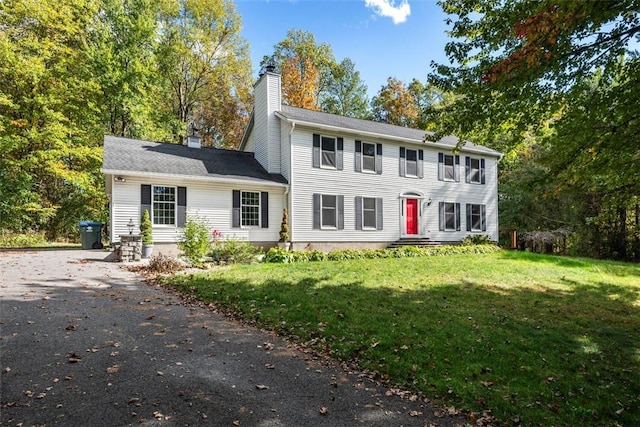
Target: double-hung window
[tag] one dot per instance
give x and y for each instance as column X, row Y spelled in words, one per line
column 474, row 170
column 449, row 216
column 448, row 165
column 411, row 162
column 164, row 205
column 327, row 152
column 368, row 157
column 368, row 213
column 250, row 208
column 328, row 211
column 476, row 217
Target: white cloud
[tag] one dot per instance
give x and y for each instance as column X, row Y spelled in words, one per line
column 388, row 8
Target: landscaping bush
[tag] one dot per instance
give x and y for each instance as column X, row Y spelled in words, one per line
column 278, row 255
column 24, row 240
column 234, row 251
column 195, row 243
column 477, row 239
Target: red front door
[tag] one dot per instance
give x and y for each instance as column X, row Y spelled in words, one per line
column 412, row 216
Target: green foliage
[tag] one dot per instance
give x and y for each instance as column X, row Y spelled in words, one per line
column 234, row 251
column 284, row 226
column 539, row 340
column 194, row 244
column 164, row 264
column 146, row 228
column 346, row 92
column 22, row 240
column 477, row 239
column 279, row 255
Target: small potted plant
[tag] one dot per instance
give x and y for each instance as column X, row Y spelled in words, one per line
column 147, row 234
column 284, row 231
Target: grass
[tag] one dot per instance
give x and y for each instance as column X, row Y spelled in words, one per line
column 538, row 340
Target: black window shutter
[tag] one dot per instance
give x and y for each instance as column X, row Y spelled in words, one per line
column 339, row 155
column 340, row 212
column 316, row 150
column 468, row 216
column 264, row 209
column 483, row 217
column 456, row 169
column 379, row 213
column 467, row 169
column 441, row 212
column 481, row 171
column 235, row 216
column 440, row 166
column 145, row 200
column 402, row 164
column 316, row 211
column 182, row 206
column 420, row 163
column 379, row 159
column 358, row 156
column 358, row 212
column 457, row 216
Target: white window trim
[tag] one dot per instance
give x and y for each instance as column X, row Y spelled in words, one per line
column 335, row 215
column 471, row 181
column 175, row 207
column 362, row 169
column 335, row 153
column 259, row 210
column 406, row 160
column 444, row 167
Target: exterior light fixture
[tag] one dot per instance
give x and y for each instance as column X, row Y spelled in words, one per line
column 130, row 225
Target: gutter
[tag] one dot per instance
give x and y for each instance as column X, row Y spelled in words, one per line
column 180, row 177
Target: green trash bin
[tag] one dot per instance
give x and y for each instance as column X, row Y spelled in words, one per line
column 90, row 233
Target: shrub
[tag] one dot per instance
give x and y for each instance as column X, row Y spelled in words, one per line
column 284, row 227
column 279, row 255
column 146, row 229
column 24, row 240
column 195, row 241
column 164, row 264
column 234, row 251
column 477, row 239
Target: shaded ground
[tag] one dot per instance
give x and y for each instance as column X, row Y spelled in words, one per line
column 84, row 342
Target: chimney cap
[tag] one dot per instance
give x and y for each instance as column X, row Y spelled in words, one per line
column 270, row 68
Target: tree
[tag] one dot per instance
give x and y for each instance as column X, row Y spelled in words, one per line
column 395, row 105
column 50, row 133
column 565, row 64
column 201, row 54
column 305, row 67
column 346, row 93
column 123, row 53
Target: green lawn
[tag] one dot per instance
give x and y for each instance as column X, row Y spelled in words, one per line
column 538, row 340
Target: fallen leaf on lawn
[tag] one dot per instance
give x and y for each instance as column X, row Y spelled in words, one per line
column 324, row 410
column 73, row 358
column 262, row 387
column 375, row 344
column 113, row 369
column 487, row 383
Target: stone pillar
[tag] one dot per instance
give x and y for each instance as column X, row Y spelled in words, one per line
column 129, row 248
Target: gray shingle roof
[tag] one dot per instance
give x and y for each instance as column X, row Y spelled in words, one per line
column 131, row 155
column 370, row 127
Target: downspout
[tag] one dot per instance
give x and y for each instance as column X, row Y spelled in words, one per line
column 288, row 188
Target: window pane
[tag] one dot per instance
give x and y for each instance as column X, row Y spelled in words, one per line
column 329, row 211
column 450, row 216
column 476, row 217
column 329, row 159
column 164, row 206
column 369, row 203
column 369, row 212
column 328, row 144
column 448, row 168
column 475, row 170
column 368, row 157
column 412, row 155
column 328, row 152
column 250, row 209
column 412, row 167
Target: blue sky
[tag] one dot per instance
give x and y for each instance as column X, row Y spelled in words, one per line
column 384, row 38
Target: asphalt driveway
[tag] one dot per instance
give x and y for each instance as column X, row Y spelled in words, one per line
column 84, row 342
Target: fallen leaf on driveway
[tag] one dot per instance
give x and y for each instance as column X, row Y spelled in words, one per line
column 415, row 413
column 236, row 422
column 262, row 387
column 269, row 366
column 70, row 328
column 113, row 369
column 324, row 411
column 73, row 358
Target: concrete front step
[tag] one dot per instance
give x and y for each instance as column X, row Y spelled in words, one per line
column 413, row 242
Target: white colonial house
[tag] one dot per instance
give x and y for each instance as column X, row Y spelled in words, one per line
column 345, row 182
